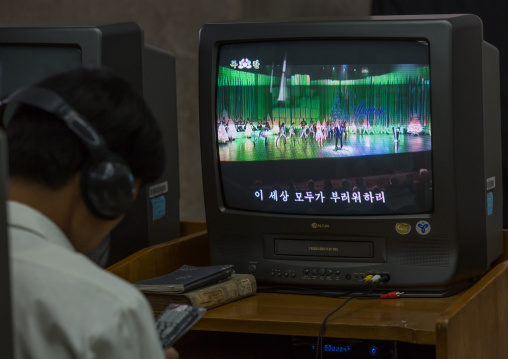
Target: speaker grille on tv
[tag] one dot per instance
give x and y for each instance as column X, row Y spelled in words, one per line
column 433, row 252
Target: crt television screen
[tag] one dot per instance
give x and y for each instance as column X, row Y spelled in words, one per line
column 331, row 127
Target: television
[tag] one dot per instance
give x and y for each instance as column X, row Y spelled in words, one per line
column 336, row 152
column 30, row 53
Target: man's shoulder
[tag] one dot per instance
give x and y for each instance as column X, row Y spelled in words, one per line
column 56, row 268
column 68, row 293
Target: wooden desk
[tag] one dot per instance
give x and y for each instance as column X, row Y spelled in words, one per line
column 472, row 324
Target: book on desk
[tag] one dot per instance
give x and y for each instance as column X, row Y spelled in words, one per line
column 207, row 295
column 186, row 278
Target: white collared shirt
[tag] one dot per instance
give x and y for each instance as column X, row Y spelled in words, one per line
column 65, row 306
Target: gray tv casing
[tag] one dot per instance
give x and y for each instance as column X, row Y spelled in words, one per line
column 466, row 153
column 120, row 47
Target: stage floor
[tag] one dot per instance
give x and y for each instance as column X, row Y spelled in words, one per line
column 354, row 145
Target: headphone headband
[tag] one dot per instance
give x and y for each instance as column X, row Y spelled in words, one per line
column 54, row 104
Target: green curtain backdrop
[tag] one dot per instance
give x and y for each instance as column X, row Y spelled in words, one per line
column 386, row 100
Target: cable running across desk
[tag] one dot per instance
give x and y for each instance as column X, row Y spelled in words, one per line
column 319, row 344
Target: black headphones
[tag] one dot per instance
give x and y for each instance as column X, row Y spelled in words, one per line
column 107, row 183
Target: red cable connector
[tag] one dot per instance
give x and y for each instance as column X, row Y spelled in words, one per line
column 391, row 295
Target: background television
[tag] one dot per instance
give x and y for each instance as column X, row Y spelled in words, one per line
column 419, row 98
column 28, row 54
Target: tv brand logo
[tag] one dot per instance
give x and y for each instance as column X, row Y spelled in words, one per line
column 319, row 225
column 403, row 228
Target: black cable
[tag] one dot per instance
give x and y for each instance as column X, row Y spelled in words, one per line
column 319, row 344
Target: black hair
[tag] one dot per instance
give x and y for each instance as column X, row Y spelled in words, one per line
column 44, row 150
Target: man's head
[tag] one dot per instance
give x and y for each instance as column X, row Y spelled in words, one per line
column 45, row 153
column 44, row 150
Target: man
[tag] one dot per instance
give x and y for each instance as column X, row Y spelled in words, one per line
column 337, row 132
column 65, row 306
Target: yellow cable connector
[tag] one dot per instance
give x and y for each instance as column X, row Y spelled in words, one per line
column 367, row 278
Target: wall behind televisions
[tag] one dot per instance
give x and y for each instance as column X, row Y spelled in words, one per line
column 174, row 26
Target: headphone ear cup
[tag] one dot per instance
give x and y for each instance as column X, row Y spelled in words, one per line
column 108, row 188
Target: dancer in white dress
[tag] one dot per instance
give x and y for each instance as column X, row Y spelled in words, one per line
column 304, row 130
column 231, row 130
column 292, row 133
column 312, row 129
column 222, row 134
column 282, row 135
column 248, row 130
column 319, row 136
